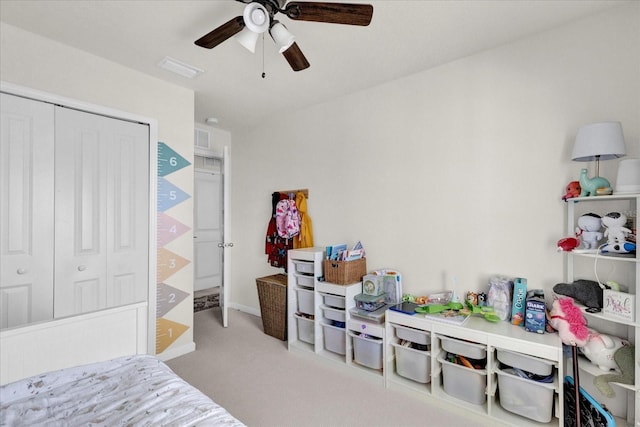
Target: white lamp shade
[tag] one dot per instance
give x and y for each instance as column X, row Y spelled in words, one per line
column 248, row 39
column 283, row 38
column 603, row 139
column 256, row 18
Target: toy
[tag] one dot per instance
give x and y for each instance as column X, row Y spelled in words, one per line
column 615, row 230
column 586, row 292
column 472, row 297
column 568, row 244
column 619, row 248
column 567, row 319
column 599, row 349
column 487, row 312
column 590, row 186
column 623, row 357
column 572, row 190
column 588, row 230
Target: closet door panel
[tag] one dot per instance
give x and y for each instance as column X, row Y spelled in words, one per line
column 26, row 211
column 101, row 212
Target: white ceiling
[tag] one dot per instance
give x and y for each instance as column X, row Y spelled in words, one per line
column 403, row 38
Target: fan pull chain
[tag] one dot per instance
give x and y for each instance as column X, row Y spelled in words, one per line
column 263, row 73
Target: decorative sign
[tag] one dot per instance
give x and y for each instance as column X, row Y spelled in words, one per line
column 167, row 332
column 169, row 229
column 618, row 304
column 167, row 297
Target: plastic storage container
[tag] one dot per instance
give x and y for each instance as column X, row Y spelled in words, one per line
column 525, row 362
column 305, row 301
column 464, row 383
column 335, row 301
column 525, row 397
column 305, row 329
column 413, row 364
column 334, row 339
column 337, row 314
column 304, row 267
column 413, row 335
column 305, row 280
column 367, row 350
column 463, row 348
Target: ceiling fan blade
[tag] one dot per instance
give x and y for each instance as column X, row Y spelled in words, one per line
column 295, row 58
column 335, row 13
column 222, row 33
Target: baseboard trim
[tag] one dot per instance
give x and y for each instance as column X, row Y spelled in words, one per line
column 245, row 309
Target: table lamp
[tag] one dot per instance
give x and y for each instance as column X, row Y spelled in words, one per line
column 599, row 141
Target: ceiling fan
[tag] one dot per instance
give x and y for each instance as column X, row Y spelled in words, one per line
column 259, row 16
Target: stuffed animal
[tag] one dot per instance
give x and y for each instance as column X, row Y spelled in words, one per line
column 615, row 230
column 567, row 319
column 600, row 349
column 624, row 358
column 584, row 291
column 588, row 230
column 572, row 190
column 590, row 186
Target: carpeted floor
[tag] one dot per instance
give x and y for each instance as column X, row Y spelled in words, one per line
column 205, row 302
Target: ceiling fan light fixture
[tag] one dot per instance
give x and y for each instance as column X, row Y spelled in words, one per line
column 248, row 39
column 283, row 38
column 256, row 18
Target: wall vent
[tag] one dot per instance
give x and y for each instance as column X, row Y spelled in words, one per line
column 202, row 139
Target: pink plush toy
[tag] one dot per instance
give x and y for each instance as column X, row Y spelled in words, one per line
column 567, row 319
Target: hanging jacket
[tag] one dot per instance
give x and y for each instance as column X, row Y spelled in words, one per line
column 276, row 247
column 305, row 238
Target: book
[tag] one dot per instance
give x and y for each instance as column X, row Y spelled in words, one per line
column 448, row 316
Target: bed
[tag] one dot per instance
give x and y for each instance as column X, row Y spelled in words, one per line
column 136, row 390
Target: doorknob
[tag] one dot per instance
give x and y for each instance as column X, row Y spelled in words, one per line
column 220, row 245
column 21, row 271
column 82, row 267
column 230, row 244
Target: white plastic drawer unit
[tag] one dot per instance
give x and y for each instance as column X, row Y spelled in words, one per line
column 463, row 348
column 334, row 301
column 304, row 267
column 532, row 364
column 413, row 335
column 412, row 363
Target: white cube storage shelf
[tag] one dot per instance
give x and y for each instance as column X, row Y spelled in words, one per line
column 474, row 390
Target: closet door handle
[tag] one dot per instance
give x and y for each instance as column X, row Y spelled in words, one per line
column 82, row 267
column 220, row 245
column 21, row 271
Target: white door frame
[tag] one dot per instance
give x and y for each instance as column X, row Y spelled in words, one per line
column 153, row 178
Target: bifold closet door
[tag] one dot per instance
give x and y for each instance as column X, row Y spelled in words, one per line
column 26, row 211
column 101, row 212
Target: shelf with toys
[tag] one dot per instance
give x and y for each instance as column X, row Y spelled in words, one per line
column 607, row 260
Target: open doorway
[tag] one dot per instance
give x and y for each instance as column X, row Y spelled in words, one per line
column 208, row 231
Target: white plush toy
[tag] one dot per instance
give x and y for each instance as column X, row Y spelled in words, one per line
column 588, row 230
column 600, row 349
column 615, row 230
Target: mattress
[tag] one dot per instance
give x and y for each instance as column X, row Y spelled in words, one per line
column 127, row 391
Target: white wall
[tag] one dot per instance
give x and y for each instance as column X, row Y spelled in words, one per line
column 457, row 171
column 41, row 64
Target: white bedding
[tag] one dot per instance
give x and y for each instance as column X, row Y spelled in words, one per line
column 128, row 391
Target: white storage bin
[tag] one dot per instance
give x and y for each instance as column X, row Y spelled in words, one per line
column 464, row 383
column 463, row 348
column 525, row 397
column 304, row 267
column 525, row 362
column 334, row 339
column 305, row 329
column 304, row 280
column 335, row 301
column 414, row 335
column 413, row 364
column 336, row 314
column 305, row 301
column 367, row 350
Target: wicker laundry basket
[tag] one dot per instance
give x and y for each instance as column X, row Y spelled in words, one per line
column 272, row 292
